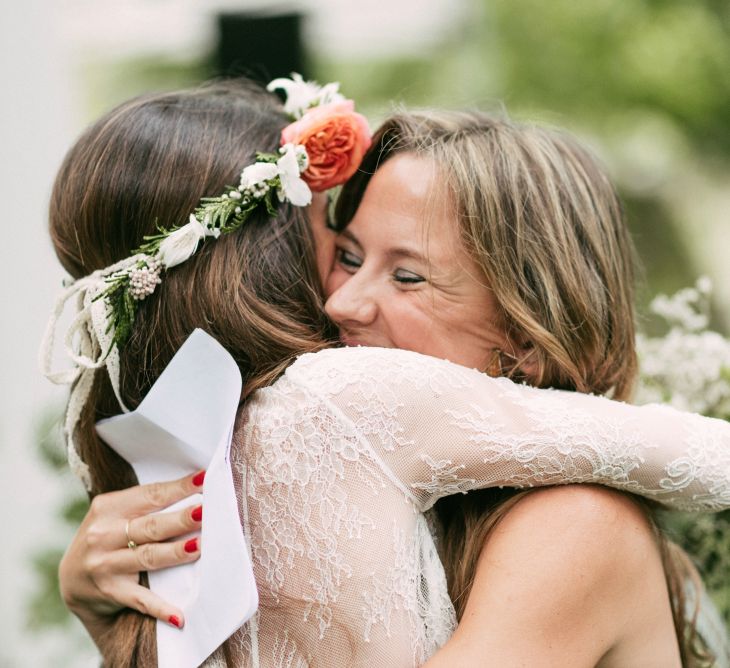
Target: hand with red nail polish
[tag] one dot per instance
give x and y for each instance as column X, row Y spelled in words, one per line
column 99, row 574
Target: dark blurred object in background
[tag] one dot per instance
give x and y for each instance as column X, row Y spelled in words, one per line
column 261, row 46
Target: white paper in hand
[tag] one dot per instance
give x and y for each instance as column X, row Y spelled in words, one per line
column 183, row 425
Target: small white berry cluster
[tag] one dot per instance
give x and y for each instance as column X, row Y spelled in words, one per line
column 236, row 195
column 257, row 190
column 143, row 280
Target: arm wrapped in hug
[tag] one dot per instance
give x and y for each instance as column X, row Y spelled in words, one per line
column 443, row 429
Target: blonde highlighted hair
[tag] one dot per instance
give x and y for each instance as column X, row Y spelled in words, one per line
column 540, row 218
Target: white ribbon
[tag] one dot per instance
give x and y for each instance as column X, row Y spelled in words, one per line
column 189, row 415
column 88, row 344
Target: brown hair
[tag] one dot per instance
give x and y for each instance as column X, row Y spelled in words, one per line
column 544, row 223
column 145, row 164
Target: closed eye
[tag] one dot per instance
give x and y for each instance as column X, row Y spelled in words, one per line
column 349, row 261
column 408, row 277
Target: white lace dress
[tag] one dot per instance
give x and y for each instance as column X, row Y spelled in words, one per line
column 338, row 460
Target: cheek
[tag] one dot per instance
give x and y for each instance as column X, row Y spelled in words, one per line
column 464, row 333
column 325, row 241
column 480, row 336
column 324, row 238
column 412, row 321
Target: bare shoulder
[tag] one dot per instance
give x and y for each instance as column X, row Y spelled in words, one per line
column 580, row 568
column 580, row 531
column 571, row 576
column 587, row 510
column 584, row 502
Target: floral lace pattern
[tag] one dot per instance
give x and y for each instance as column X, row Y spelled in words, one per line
column 445, row 479
column 703, row 467
column 336, row 462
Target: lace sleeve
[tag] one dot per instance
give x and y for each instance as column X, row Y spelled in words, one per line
column 439, row 428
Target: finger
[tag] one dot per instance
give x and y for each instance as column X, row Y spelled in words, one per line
column 148, row 603
column 158, row 527
column 144, row 499
column 154, row 556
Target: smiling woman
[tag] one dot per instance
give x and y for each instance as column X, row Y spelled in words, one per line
column 535, row 225
column 403, row 278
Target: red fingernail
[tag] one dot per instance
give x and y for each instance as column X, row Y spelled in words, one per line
column 197, row 514
column 198, row 479
column 191, row 546
column 175, row 621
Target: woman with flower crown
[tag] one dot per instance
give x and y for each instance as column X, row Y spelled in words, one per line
column 337, row 458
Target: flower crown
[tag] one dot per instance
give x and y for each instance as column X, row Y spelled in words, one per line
column 321, row 148
column 325, row 125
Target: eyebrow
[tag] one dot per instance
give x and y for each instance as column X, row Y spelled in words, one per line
column 397, row 252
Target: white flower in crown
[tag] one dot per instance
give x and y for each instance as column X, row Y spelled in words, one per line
column 330, row 93
column 302, row 95
column 293, row 187
column 182, row 243
column 258, row 173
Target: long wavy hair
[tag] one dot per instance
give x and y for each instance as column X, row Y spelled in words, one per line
column 542, row 220
column 145, row 164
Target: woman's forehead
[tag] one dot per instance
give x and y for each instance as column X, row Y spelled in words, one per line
column 406, row 205
column 407, row 187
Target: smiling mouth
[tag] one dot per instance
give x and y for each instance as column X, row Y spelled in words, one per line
column 352, row 342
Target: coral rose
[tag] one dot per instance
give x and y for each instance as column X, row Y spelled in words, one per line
column 336, row 138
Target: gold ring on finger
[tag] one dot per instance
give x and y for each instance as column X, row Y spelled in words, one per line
column 130, row 543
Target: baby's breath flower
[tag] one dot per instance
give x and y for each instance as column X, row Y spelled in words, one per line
column 144, row 279
column 704, row 285
column 689, row 368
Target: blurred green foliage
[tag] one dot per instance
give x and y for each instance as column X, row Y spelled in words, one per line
column 642, row 80
column 590, row 62
column 46, row 608
column 601, row 58
column 707, row 539
column 110, row 83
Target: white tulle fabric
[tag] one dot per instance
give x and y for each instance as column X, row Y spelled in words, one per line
column 337, row 462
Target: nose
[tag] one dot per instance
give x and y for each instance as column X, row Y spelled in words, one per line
column 353, row 304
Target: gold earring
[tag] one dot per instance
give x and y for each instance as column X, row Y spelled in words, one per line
column 497, row 366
